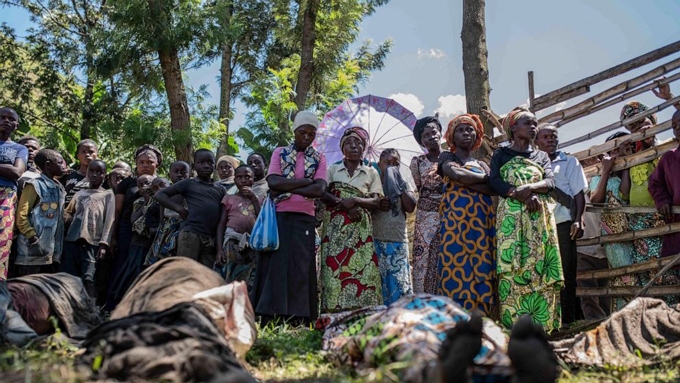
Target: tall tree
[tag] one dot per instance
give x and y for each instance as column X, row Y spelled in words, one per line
column 308, row 39
column 69, row 30
column 172, row 31
column 475, row 67
column 243, row 41
column 332, row 75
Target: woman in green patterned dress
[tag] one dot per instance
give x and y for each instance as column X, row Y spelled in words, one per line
column 528, row 258
column 350, row 276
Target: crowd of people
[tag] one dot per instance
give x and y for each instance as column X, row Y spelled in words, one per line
column 342, row 227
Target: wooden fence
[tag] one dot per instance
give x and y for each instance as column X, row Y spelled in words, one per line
column 610, row 97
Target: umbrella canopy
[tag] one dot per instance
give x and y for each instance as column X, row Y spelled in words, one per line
column 387, row 122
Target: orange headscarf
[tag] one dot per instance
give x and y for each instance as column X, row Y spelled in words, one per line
column 470, row 119
column 512, row 117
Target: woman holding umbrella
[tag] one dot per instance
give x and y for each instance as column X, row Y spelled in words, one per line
column 428, row 134
column 466, row 268
column 349, row 265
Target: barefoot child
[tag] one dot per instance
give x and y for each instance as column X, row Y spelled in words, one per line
column 196, row 238
column 40, row 217
column 90, row 215
column 236, row 222
column 165, row 243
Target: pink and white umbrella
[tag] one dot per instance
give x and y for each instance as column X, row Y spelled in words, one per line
column 388, row 123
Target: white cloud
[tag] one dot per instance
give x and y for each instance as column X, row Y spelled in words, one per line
column 432, row 53
column 450, row 106
column 410, row 102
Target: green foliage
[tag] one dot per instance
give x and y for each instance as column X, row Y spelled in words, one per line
column 336, row 75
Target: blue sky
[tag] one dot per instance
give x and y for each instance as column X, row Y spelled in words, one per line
column 561, row 41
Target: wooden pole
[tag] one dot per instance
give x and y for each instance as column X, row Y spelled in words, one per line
column 550, row 98
column 615, row 143
column 634, row 159
column 626, row 291
column 625, row 122
column 475, row 65
column 652, row 264
column 619, row 99
column 611, row 92
column 563, row 97
column 631, row 235
column 532, row 94
column 659, row 273
column 627, row 209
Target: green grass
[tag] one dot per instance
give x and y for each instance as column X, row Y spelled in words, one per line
column 282, row 353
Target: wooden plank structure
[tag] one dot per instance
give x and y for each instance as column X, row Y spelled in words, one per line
column 610, row 97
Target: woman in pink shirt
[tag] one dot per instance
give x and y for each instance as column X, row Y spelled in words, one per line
column 285, row 282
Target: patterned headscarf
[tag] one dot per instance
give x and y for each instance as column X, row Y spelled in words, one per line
column 470, row 119
column 511, row 119
column 357, row 132
column 233, row 161
column 152, row 151
column 423, row 123
column 633, row 108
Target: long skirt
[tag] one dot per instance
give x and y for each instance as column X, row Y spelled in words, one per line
column 466, row 267
column 395, row 270
column 425, row 251
column 285, row 280
column 128, row 273
column 8, row 202
column 529, row 266
column 349, row 265
column 650, row 248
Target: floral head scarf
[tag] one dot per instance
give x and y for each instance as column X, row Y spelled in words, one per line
column 357, row 132
column 470, row 119
column 512, row 118
column 633, row 108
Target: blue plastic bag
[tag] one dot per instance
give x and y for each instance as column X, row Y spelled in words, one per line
column 265, row 234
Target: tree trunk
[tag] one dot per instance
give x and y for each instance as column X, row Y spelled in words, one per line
column 475, row 68
column 177, row 101
column 226, row 74
column 306, row 53
column 88, row 108
column 225, row 98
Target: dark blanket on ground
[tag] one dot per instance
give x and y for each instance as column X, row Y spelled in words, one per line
column 645, row 332
column 76, row 311
column 166, row 283
column 179, row 344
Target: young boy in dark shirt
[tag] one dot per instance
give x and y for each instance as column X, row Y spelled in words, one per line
column 203, row 197
column 73, row 182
